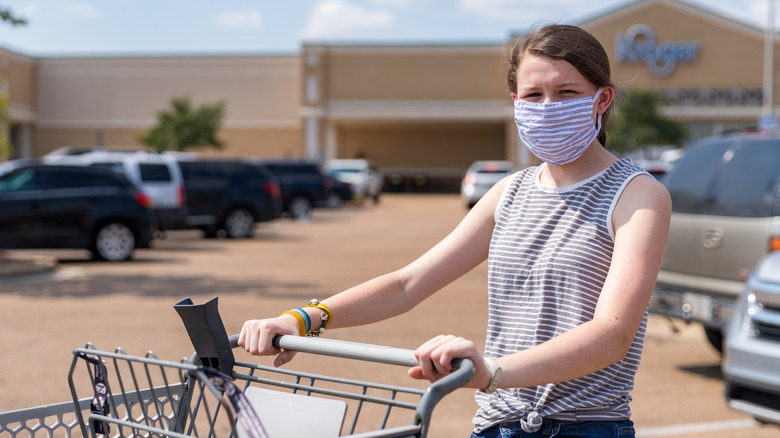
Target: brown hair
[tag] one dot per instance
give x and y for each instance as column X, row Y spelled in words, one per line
column 571, row 44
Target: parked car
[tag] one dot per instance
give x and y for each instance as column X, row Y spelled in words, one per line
column 725, row 207
column 302, row 184
column 480, row 177
column 361, row 175
column 751, row 367
column 340, row 193
column 156, row 174
column 228, row 195
column 61, row 206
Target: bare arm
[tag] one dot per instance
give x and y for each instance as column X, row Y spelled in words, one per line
column 641, row 221
column 393, row 293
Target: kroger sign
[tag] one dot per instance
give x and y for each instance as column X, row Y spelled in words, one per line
column 638, row 45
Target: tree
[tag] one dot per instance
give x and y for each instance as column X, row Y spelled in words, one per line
column 637, row 123
column 6, row 148
column 182, row 126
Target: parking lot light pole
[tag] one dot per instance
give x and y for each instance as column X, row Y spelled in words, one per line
column 768, row 120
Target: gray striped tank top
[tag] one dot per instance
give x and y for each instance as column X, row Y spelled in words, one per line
column 549, row 256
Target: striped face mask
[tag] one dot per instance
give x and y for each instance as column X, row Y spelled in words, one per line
column 557, row 132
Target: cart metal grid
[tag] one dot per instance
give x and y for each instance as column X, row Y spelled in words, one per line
column 153, row 397
column 207, row 394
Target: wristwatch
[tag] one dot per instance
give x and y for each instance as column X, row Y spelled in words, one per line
column 495, row 375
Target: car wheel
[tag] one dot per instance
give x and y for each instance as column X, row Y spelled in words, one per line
column 299, row 207
column 239, row 224
column 114, row 242
column 334, row 200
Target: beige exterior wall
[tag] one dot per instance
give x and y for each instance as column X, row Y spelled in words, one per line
column 120, row 96
column 414, row 110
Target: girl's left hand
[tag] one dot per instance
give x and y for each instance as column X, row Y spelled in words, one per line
column 435, row 360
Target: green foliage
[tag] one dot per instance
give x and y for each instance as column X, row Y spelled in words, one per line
column 637, row 123
column 6, row 148
column 183, row 127
column 7, row 16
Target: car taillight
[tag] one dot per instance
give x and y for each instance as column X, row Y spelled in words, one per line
column 182, row 195
column 143, row 199
column 470, row 179
column 774, row 243
column 273, row 189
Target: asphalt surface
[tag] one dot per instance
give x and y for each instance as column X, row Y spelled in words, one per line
column 45, row 315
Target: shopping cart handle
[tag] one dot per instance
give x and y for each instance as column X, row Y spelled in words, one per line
column 354, row 350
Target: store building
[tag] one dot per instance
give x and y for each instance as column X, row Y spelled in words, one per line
column 415, row 109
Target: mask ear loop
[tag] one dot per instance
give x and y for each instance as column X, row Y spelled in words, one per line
column 598, row 116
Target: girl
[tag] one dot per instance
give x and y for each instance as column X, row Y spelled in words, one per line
column 573, row 247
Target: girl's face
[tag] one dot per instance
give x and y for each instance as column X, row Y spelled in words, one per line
column 545, row 80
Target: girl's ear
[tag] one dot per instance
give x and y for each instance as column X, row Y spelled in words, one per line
column 605, row 99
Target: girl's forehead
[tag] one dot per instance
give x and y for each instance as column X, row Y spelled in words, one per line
column 532, row 69
column 531, row 64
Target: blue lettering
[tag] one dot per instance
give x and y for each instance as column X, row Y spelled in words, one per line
column 638, row 45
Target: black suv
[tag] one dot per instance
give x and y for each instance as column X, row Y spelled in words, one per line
column 302, row 183
column 59, row 206
column 229, row 195
column 725, row 216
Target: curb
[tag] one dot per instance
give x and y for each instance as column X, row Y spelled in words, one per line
column 14, row 264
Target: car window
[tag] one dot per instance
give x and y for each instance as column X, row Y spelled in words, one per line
column 201, row 171
column 748, row 184
column 67, row 178
column 116, row 167
column 151, row 172
column 691, row 180
column 24, row 179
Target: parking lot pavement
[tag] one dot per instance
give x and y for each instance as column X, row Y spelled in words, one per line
column 679, row 391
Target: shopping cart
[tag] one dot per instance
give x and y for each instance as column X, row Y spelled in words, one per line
column 212, row 395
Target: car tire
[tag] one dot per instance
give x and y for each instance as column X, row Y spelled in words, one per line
column 239, row 223
column 334, row 201
column 113, row 242
column 299, row 207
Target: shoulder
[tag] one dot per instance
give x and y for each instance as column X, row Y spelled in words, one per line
column 643, row 194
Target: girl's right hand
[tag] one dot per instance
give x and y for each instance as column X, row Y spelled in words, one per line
column 257, row 337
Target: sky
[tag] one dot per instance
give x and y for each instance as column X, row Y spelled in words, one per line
column 159, row 27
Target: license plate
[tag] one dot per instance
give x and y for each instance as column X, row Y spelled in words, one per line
column 697, row 306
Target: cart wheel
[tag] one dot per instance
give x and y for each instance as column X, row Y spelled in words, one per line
column 114, row 242
column 239, row 224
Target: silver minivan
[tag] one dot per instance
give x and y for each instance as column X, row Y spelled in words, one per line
column 158, row 175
